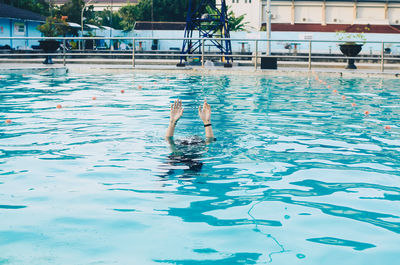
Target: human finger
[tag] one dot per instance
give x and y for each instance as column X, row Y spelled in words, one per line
column 205, row 105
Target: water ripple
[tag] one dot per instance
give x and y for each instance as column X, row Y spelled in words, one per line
column 297, row 172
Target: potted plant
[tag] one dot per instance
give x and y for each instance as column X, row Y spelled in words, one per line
column 52, row 28
column 351, row 46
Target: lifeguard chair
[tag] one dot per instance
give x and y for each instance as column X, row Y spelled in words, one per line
column 208, row 26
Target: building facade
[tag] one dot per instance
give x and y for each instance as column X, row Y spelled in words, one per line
column 323, row 16
column 16, row 22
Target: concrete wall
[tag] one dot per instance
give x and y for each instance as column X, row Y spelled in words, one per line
column 394, row 14
column 309, row 12
column 250, row 8
column 339, row 14
column 111, row 33
column 244, row 44
column 277, row 46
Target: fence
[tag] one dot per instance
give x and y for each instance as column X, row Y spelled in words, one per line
column 251, row 50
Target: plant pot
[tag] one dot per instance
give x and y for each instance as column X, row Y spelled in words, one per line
column 350, row 50
column 89, row 44
column 154, row 45
column 49, row 46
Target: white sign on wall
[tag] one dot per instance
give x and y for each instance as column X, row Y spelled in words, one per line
column 305, row 36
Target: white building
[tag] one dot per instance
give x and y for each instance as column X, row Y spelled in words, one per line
column 381, row 16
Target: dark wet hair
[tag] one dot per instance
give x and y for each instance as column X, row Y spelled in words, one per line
column 191, row 141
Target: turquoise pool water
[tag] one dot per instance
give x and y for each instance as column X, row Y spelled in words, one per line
column 297, row 175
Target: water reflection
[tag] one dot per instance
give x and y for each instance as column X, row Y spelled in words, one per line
column 342, row 242
column 232, row 259
column 282, row 143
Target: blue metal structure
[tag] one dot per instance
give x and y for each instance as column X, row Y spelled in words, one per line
column 213, row 25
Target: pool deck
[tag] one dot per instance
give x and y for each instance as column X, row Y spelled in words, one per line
column 285, row 68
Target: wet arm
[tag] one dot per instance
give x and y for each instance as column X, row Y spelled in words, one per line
column 205, row 116
column 176, row 114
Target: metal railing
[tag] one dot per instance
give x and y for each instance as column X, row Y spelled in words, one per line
column 255, row 53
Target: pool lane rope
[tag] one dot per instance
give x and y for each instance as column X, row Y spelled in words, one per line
column 353, row 104
column 316, row 77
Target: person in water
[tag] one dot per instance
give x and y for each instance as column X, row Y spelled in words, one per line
column 187, row 152
column 176, row 114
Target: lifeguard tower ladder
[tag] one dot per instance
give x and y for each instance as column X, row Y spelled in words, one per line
column 209, row 26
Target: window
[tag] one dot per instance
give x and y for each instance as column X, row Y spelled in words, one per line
column 19, row 28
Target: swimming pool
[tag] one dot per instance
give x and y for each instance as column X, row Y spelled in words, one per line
column 297, row 175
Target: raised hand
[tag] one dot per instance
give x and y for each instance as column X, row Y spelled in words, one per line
column 205, row 113
column 176, row 114
column 205, row 116
column 176, row 111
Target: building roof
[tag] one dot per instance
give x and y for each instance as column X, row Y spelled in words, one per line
column 7, row 11
column 148, row 25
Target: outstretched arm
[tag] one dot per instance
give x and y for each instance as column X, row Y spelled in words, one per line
column 176, row 114
column 205, row 116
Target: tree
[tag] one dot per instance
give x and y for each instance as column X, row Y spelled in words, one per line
column 107, row 18
column 37, row 6
column 53, row 27
column 129, row 14
column 153, row 10
column 72, row 9
column 168, row 10
column 235, row 23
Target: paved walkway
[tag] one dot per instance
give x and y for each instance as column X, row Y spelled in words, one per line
column 284, row 68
